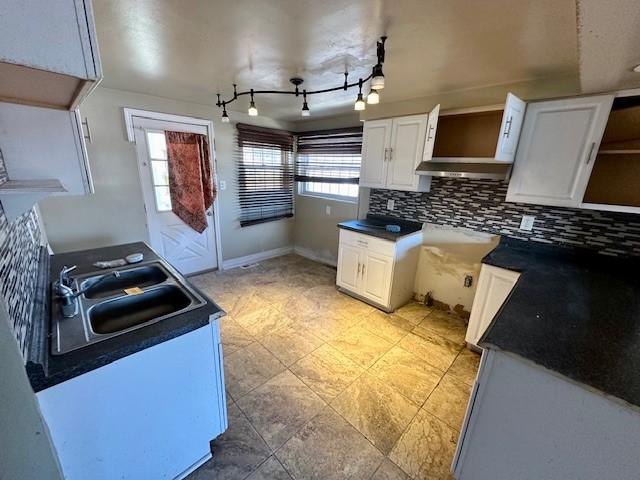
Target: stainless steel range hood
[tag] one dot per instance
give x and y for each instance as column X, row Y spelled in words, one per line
column 462, row 169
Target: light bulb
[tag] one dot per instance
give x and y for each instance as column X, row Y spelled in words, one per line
column 377, row 80
column 305, row 110
column 225, row 117
column 359, row 105
column 373, row 97
column 253, row 111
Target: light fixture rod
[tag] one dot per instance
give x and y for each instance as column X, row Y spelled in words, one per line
column 296, row 92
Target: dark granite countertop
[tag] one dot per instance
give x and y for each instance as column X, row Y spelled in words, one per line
column 374, row 225
column 574, row 312
column 45, row 370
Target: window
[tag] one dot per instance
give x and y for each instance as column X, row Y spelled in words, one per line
column 157, row 144
column 328, row 163
column 265, row 174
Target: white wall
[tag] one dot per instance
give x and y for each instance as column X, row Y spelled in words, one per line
column 448, row 255
column 115, row 213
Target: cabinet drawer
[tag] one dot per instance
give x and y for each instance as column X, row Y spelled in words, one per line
column 367, row 242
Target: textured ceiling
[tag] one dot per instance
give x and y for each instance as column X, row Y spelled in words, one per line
column 191, row 49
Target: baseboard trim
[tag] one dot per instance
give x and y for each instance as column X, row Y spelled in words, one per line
column 312, row 255
column 255, row 257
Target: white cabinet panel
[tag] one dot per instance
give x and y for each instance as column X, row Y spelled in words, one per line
column 430, row 140
column 376, row 141
column 512, row 119
column 559, row 141
column 376, row 277
column 349, row 267
column 407, row 144
column 494, row 286
column 42, row 143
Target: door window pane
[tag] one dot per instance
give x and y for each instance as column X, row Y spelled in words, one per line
column 160, row 172
column 163, row 199
column 157, row 145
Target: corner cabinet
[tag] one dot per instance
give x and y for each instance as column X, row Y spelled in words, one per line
column 378, row 271
column 494, row 286
column 48, row 53
column 391, row 151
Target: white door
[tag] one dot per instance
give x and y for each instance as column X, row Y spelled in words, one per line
column 512, row 119
column 407, row 144
column 558, row 144
column 349, row 267
column 430, row 140
column 376, row 139
column 494, row 286
column 183, row 247
column 376, row 277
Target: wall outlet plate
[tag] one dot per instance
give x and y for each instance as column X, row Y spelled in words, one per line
column 327, row 209
column 223, row 184
column 391, row 204
column 527, row 222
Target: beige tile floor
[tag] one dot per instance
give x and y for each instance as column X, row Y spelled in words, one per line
column 322, row 386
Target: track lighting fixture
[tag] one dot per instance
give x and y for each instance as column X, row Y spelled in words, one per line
column 359, row 105
column 225, row 117
column 376, row 77
column 305, row 108
column 253, row 111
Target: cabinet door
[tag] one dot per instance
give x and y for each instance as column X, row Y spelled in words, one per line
column 349, row 267
column 42, row 143
column 512, row 119
column 407, row 144
column 559, row 141
column 494, row 286
column 430, row 140
column 376, row 139
column 376, row 277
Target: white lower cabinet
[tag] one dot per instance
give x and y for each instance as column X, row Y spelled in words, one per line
column 494, row 286
column 151, row 414
column 376, row 270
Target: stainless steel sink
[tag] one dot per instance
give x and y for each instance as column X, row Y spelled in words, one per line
column 107, row 310
column 136, row 277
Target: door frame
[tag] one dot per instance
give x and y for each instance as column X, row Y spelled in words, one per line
column 131, row 113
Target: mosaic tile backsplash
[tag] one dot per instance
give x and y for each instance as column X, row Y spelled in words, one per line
column 480, row 205
column 19, row 251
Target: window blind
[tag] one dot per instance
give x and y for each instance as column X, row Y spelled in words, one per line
column 265, row 174
column 329, row 156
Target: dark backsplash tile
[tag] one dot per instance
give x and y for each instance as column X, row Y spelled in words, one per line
column 480, row 205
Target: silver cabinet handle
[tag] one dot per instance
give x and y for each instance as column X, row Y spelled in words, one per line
column 87, row 137
column 359, row 267
column 390, row 154
column 386, row 155
column 593, row 145
column 429, row 137
column 363, row 270
column 507, row 132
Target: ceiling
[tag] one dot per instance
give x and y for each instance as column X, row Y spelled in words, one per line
column 192, row 49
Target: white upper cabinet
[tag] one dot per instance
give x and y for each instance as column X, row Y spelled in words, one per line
column 391, row 151
column 510, row 128
column 475, row 135
column 407, row 143
column 557, row 148
column 430, row 140
column 376, row 141
column 41, row 147
column 48, row 52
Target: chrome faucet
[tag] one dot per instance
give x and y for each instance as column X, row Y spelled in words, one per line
column 69, row 298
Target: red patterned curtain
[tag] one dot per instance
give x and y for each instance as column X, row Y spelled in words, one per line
column 190, row 180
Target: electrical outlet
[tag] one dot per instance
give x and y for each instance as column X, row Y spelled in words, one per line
column 527, row 222
column 327, row 209
column 223, row 184
column 391, row 204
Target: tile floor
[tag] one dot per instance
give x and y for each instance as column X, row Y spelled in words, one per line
column 320, row 385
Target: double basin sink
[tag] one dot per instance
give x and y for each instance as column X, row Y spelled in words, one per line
column 119, row 301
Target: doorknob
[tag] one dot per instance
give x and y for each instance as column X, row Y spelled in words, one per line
column 209, row 213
